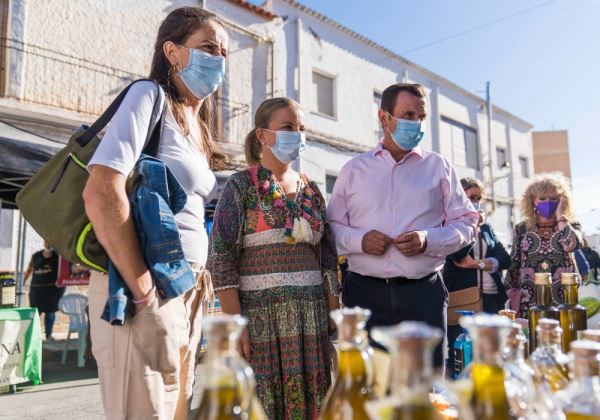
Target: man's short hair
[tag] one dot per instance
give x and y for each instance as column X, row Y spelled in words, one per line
column 388, row 98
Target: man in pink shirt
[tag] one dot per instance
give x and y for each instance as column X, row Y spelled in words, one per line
column 396, row 213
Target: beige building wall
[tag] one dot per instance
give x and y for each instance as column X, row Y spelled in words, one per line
column 551, row 152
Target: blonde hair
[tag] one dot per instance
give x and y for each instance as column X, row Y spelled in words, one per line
column 546, row 184
column 262, row 118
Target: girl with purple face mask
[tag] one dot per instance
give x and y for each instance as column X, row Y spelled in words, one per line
column 545, row 240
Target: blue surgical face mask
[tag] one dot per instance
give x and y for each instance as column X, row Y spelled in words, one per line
column 203, row 74
column 476, row 205
column 288, row 145
column 408, row 134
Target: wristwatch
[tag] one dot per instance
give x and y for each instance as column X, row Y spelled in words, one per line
column 481, row 264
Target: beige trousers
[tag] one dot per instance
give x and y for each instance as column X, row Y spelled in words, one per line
column 146, row 366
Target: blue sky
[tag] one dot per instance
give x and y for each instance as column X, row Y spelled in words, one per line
column 544, row 64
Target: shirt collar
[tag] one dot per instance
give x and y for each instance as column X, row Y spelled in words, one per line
column 417, row 151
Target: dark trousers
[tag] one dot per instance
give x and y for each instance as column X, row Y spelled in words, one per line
column 49, row 319
column 425, row 300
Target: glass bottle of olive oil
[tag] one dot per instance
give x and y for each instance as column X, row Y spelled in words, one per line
column 228, row 384
column 353, row 384
column 573, row 318
column 489, row 333
column 548, row 361
column 581, row 399
column 411, row 345
column 543, row 307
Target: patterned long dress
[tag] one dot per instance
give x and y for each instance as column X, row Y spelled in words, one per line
column 282, row 287
column 532, row 253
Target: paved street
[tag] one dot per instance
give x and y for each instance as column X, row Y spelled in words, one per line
column 67, row 393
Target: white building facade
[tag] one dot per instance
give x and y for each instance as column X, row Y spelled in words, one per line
column 64, row 60
column 338, row 76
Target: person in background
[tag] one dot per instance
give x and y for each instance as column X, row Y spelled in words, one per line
column 272, row 259
column 583, row 265
column 396, row 212
column 479, row 264
column 43, row 293
column 593, row 259
column 146, row 365
column 545, row 240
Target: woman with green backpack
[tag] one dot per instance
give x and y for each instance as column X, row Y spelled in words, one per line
column 146, row 364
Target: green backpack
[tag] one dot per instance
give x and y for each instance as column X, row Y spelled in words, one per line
column 52, row 199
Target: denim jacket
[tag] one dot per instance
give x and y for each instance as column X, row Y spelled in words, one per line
column 156, row 197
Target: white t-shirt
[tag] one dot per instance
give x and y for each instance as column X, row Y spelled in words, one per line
column 122, row 145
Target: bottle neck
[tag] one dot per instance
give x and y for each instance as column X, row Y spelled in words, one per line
column 218, row 347
column 514, row 353
column 570, row 293
column 412, row 374
column 549, row 345
column 543, row 295
column 586, row 369
column 487, row 350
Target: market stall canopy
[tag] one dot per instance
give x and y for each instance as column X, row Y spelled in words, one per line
column 22, row 154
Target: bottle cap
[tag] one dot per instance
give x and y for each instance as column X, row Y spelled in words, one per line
column 515, row 335
column 549, row 331
column 543, row 279
column 586, row 358
column 509, row 313
column 569, row 279
column 490, row 331
column 350, row 322
column 591, row 335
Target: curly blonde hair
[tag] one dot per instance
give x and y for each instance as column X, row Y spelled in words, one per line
column 546, row 184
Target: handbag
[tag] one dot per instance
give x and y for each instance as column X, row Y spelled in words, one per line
column 469, row 299
column 52, row 200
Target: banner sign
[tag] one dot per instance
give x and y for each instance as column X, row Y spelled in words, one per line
column 72, row 274
column 20, row 346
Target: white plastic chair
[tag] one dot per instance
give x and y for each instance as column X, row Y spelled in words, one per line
column 74, row 306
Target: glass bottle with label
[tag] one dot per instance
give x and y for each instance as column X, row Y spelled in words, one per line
column 581, row 399
column 543, row 307
column 573, row 318
column 489, row 334
column 227, row 381
column 354, row 381
column 463, row 348
column 550, row 364
column 411, row 345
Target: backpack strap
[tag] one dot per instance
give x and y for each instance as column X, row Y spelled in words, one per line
column 152, row 140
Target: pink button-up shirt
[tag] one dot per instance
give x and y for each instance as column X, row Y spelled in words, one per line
column 421, row 192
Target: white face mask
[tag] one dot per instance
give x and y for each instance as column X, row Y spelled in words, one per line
column 288, row 145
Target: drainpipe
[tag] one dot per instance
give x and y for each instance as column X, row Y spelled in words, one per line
column 298, row 163
column 488, row 101
column 298, row 67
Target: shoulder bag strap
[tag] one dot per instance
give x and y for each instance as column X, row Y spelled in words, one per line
column 480, row 271
column 153, row 136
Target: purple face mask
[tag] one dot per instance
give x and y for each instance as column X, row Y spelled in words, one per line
column 546, row 208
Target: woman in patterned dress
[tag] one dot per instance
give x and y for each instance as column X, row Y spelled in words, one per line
column 545, row 240
column 273, row 259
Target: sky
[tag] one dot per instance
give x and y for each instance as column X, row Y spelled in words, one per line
column 543, row 64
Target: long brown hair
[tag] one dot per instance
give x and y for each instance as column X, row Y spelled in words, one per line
column 177, row 27
column 262, row 118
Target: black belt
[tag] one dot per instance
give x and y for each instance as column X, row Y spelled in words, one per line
column 397, row 280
